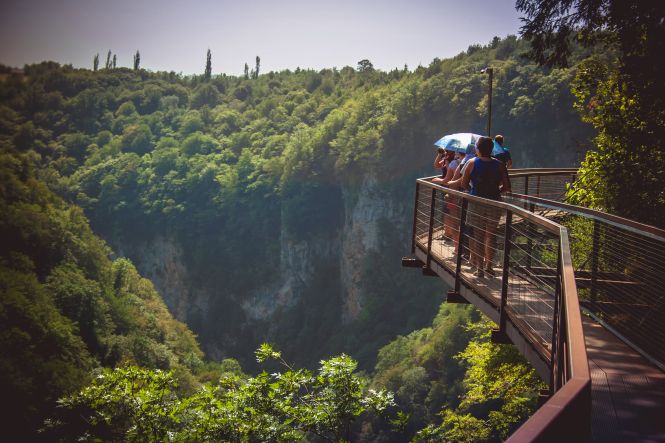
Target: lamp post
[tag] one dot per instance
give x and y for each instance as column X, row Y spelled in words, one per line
column 490, row 72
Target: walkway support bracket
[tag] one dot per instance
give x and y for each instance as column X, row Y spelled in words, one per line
column 455, row 297
column 411, row 262
column 500, row 337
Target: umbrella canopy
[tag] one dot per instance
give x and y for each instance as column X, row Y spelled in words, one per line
column 498, row 149
column 457, row 142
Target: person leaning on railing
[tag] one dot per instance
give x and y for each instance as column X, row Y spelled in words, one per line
column 442, row 161
column 488, row 178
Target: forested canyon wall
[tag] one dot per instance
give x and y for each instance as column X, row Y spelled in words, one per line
column 334, row 261
column 277, row 208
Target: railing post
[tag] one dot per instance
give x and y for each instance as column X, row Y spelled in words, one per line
column 554, row 357
column 506, row 274
column 594, row 260
column 538, row 186
column 526, row 188
column 415, row 219
column 431, row 228
column 529, row 241
column 460, row 239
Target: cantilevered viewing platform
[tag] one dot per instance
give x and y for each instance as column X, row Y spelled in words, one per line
column 581, row 294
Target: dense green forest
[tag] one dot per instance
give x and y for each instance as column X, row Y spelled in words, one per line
column 67, row 308
column 210, row 176
column 266, row 208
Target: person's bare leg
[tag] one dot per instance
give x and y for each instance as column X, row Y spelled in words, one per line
column 453, row 219
column 474, row 246
column 479, row 236
column 489, row 244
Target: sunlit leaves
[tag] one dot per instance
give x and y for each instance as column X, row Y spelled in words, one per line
column 133, row 404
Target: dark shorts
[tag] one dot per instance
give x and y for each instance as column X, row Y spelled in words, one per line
column 480, row 216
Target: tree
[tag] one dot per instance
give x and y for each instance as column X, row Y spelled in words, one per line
column 115, row 59
column 95, row 62
column 496, row 375
column 246, row 71
column 619, row 91
column 137, row 60
column 134, row 404
column 208, row 72
column 365, row 65
column 258, row 64
column 137, row 138
column 107, row 65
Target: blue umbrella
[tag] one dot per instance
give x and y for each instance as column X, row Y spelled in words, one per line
column 457, row 142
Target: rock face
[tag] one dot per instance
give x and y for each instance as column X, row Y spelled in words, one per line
column 340, row 248
column 161, row 260
column 365, row 208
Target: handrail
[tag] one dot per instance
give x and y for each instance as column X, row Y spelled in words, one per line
column 620, row 266
column 569, row 406
column 533, row 171
column 572, row 402
column 623, row 222
column 543, row 221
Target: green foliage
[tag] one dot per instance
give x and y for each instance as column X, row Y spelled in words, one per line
column 247, row 179
column 205, row 94
column 137, row 139
column 628, row 142
column 422, row 370
column 66, row 307
column 208, row 70
column 500, row 393
column 133, row 404
column 619, row 91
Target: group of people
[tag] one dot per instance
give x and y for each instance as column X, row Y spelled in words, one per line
column 482, row 175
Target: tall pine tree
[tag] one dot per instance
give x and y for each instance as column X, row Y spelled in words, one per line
column 258, row 64
column 208, row 71
column 95, row 62
column 108, row 60
column 246, row 71
column 115, row 59
column 137, row 60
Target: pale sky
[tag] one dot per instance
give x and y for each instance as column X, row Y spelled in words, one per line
column 174, row 35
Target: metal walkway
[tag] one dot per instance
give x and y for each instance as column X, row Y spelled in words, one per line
column 550, row 259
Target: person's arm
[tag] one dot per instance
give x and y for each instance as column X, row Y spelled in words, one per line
column 458, row 171
column 438, row 160
column 450, row 172
column 505, row 179
column 463, row 181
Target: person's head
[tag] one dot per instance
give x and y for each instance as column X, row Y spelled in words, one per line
column 440, row 151
column 499, row 139
column 460, row 155
column 450, row 155
column 484, row 145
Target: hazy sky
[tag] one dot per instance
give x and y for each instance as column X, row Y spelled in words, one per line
column 174, row 35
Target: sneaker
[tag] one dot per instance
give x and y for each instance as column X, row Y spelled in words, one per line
column 490, row 272
column 479, row 273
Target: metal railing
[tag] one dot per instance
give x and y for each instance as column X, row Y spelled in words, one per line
column 619, row 264
column 492, row 253
column 542, row 182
